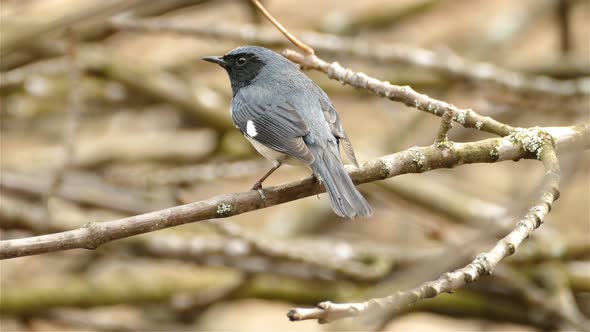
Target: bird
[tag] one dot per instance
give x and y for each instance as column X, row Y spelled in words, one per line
column 290, row 120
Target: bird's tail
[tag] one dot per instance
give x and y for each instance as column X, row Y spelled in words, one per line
column 345, row 199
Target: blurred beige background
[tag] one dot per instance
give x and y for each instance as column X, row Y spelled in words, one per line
column 153, row 132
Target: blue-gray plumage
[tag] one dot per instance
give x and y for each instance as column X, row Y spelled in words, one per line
column 288, row 118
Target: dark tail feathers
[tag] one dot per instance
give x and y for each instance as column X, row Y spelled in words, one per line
column 345, row 199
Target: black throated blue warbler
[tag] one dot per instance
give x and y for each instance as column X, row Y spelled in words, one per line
column 288, row 118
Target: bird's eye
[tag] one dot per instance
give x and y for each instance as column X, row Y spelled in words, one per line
column 241, row 61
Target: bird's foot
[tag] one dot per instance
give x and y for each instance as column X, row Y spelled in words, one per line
column 318, row 179
column 258, row 187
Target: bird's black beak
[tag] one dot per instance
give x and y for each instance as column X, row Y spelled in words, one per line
column 216, row 59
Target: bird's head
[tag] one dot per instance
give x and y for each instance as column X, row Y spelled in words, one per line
column 244, row 64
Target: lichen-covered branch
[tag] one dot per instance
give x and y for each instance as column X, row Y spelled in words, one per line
column 404, row 94
column 302, row 257
column 483, row 264
column 448, row 64
column 414, row 160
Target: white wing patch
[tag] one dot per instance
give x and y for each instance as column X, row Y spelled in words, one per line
column 250, row 129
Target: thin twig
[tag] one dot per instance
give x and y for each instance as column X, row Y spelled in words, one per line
column 75, row 104
column 282, row 29
column 524, row 144
column 404, row 94
column 446, row 123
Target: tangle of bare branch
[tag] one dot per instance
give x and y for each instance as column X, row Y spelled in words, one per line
column 539, row 143
column 536, row 141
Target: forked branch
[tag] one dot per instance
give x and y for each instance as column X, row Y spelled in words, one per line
column 482, row 265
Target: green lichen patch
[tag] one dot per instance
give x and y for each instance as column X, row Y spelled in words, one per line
column 386, row 168
column 531, row 140
column 461, row 116
column 494, row 154
column 478, row 125
column 223, row 210
column 432, row 108
column 445, row 144
column 482, row 265
column 418, row 158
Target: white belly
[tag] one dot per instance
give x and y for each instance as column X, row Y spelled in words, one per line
column 273, row 155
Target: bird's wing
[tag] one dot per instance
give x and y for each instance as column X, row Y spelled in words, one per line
column 335, row 126
column 277, row 126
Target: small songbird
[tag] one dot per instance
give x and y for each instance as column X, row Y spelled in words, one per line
column 289, row 119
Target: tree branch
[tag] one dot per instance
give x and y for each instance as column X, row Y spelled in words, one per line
column 446, row 123
column 414, row 160
column 482, row 265
column 282, row 29
column 404, row 94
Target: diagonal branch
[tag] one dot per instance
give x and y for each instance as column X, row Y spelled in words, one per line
column 282, row 29
column 404, row 94
column 525, row 144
